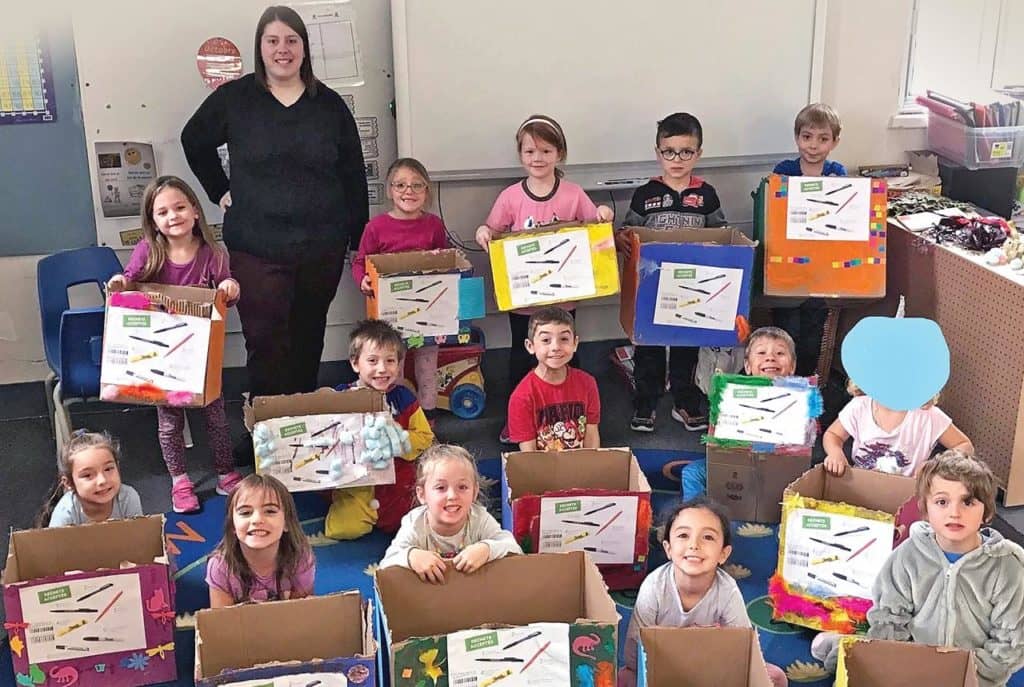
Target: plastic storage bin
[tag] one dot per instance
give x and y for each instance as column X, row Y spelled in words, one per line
column 976, row 148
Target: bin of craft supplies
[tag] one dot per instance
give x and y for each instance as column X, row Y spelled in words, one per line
column 91, row 605
column 163, row 345
column 686, row 287
column 884, row 663
column 976, row 147
column 546, row 613
column 325, row 641
column 325, row 439
column 427, row 295
column 554, row 264
column 700, row 657
column 836, row 533
column 592, row 500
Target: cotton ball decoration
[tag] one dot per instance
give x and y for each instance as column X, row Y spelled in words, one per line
column 888, row 464
column 1016, row 264
column 109, row 392
column 995, row 257
column 263, row 445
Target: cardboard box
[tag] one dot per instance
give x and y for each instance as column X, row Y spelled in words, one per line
column 415, row 620
column 835, row 535
column 750, row 483
column 303, row 445
column 554, row 264
column 120, row 590
column 428, row 295
column 686, row 287
column 326, row 638
column 594, row 500
column 884, row 663
column 700, row 657
column 163, row 345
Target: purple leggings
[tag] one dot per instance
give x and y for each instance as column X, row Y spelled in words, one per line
column 170, row 429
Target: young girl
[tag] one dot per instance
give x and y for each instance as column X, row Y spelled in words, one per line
column 179, row 248
column 691, row 589
column 897, row 441
column 449, row 524
column 89, row 487
column 543, row 197
column 264, row 555
column 406, row 226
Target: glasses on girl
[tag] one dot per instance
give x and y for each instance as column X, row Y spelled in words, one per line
column 416, row 187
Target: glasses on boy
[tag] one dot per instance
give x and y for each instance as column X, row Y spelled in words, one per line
column 684, row 154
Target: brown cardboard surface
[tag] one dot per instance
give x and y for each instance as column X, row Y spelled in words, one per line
column 724, row 236
column 54, row 551
column 419, row 262
column 857, row 487
column 317, row 627
column 535, row 472
column 319, row 402
column 883, row 663
column 751, row 484
column 517, row 590
column 703, row 657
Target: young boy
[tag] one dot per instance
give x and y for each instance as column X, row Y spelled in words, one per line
column 556, row 406
column 678, row 198
column 375, row 351
column 953, row 582
column 816, row 130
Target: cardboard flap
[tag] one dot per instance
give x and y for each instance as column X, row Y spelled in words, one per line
column 883, row 663
column 319, row 402
column 471, row 298
column 54, row 551
column 317, row 627
column 420, row 262
column 858, row 487
column 703, row 657
column 723, row 236
column 188, row 294
column 556, row 587
column 534, row 472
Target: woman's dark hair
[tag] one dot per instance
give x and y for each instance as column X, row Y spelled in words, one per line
column 700, row 502
column 292, row 19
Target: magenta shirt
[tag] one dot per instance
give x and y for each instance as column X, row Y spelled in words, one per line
column 385, row 234
column 263, row 588
column 207, row 269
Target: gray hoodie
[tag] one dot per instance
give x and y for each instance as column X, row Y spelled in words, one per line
column 976, row 603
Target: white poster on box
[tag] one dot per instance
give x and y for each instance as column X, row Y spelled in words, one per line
column 421, row 304
column 828, row 209
column 297, row 680
column 699, row 296
column 764, row 414
column 603, row 526
column 153, row 347
column 834, row 554
column 534, row 655
column 550, row 267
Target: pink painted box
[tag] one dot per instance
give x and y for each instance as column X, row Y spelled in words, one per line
column 91, row 604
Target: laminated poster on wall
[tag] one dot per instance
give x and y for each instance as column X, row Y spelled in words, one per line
column 71, row 619
column 420, row 305
column 764, row 414
column 829, row 209
column 153, row 347
column 122, row 172
column 701, row 296
column 603, row 526
column 333, row 42
column 529, row 656
column 832, row 554
column 557, row 265
column 297, row 680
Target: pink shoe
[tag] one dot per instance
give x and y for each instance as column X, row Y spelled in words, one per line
column 183, row 497
column 227, row 482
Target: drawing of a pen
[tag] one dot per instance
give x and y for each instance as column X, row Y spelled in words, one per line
column 541, row 262
column 507, row 659
column 585, row 523
column 600, row 508
column 429, row 286
column 74, row 610
column 96, row 591
column 521, row 640
column 169, row 328
column 717, row 276
column 594, row 549
column 853, row 531
column 149, row 341
column 555, row 247
column 147, row 380
column 837, row 190
column 691, row 288
column 830, row 543
column 165, row 374
column 414, row 300
column 784, row 409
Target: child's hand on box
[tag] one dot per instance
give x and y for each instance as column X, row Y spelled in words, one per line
column 428, row 565
column 624, row 242
column 472, row 557
column 835, row 464
column 605, row 213
column 364, row 286
column 229, row 287
column 484, row 235
column 117, row 283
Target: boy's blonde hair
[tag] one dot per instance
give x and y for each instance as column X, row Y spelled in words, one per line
column 818, row 114
column 775, row 334
column 957, row 466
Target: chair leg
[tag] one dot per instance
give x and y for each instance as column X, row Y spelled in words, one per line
column 187, row 433
column 61, row 420
column 48, row 384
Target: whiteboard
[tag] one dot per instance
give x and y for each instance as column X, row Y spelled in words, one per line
column 468, row 72
column 139, row 82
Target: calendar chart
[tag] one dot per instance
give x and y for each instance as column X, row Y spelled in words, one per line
column 26, row 80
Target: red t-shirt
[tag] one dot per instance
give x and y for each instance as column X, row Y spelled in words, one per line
column 556, row 415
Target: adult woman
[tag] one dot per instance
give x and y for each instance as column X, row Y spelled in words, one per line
column 296, row 200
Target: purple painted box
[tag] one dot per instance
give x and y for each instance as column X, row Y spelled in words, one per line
column 321, row 640
column 91, row 605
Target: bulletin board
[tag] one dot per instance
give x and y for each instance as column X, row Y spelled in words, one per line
column 140, row 82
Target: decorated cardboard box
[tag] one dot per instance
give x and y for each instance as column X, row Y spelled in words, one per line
column 554, row 264
column 426, row 295
column 320, row 640
column 750, row 483
column 836, row 533
column 318, row 440
column 546, row 613
column 91, row 605
column 593, row 500
column 700, row 657
column 884, row 663
column 824, row 237
column 686, row 287
column 163, row 345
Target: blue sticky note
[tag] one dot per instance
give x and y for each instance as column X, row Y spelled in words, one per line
column 471, row 298
column 900, row 362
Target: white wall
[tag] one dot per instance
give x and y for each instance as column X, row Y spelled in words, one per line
column 864, row 65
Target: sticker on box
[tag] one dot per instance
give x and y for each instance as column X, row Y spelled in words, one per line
column 534, row 655
column 603, row 526
column 697, row 296
column 829, row 209
column 541, row 268
column 152, row 347
column 764, row 414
